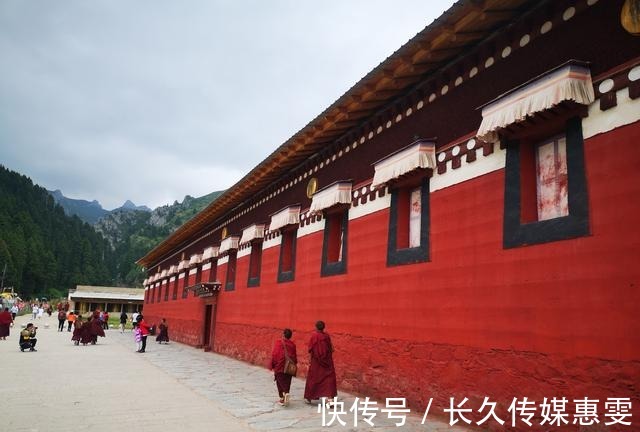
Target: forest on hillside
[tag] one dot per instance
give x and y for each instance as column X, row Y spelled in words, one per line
column 46, row 252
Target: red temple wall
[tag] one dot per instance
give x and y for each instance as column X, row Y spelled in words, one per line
column 573, row 297
column 556, row 319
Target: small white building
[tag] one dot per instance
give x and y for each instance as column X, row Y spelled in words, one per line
column 85, row 298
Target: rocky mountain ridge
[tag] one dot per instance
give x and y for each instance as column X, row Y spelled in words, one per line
column 89, row 211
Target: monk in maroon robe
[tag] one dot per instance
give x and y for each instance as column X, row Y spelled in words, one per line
column 5, row 323
column 85, row 332
column 283, row 381
column 321, row 378
column 96, row 329
column 77, row 330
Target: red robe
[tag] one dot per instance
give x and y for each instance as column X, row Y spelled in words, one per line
column 5, row 323
column 163, row 335
column 283, row 381
column 77, row 331
column 277, row 356
column 321, row 378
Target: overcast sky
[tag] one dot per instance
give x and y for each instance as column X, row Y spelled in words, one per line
column 153, row 100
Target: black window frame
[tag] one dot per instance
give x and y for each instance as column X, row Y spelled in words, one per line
column 576, row 223
column 292, row 233
column 409, row 255
column 337, row 267
column 256, row 245
column 230, row 285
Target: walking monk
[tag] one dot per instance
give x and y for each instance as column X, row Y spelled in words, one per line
column 321, row 378
column 281, row 350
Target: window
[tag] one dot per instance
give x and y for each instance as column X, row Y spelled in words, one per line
column 287, row 262
column 255, row 263
column 213, row 273
column 159, row 288
column 185, row 291
column 545, row 185
column 408, row 240
column 166, row 290
column 174, row 281
column 334, row 247
column 181, row 284
column 230, row 284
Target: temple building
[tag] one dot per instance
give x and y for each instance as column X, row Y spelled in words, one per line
column 464, row 219
column 87, row 298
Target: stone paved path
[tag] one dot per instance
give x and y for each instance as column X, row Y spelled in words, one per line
column 64, row 387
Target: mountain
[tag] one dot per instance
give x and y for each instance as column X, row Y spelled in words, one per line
column 48, row 247
column 132, row 233
column 128, row 205
column 45, row 251
column 88, row 211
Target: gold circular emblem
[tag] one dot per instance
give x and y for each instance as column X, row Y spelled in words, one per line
column 312, row 187
column 630, row 16
column 224, row 233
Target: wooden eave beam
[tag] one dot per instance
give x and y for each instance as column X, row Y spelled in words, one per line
column 496, row 16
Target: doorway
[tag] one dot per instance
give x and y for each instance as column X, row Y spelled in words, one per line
column 209, row 326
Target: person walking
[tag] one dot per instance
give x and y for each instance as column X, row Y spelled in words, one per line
column 134, row 318
column 321, row 378
column 144, row 332
column 123, row 320
column 163, row 333
column 71, row 319
column 14, row 311
column 5, row 323
column 283, row 350
column 105, row 320
column 95, row 328
column 62, row 317
column 137, row 336
column 77, row 329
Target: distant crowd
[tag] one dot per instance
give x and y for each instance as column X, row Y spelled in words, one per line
column 321, row 376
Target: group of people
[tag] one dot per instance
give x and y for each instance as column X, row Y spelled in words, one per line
column 27, row 336
column 87, row 332
column 141, row 330
column 66, row 317
column 321, row 377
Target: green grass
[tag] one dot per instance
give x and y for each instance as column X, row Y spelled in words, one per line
column 114, row 323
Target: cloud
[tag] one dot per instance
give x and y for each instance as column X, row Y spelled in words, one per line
column 153, row 100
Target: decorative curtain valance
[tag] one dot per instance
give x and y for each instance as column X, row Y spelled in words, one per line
column 228, row 244
column 569, row 82
column 153, row 278
column 173, row 270
column 419, row 154
column 287, row 216
column 163, row 274
column 183, row 265
column 195, row 259
column 334, row 194
column 210, row 253
column 144, row 282
column 252, row 232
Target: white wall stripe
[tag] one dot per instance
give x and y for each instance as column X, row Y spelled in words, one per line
column 627, row 111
